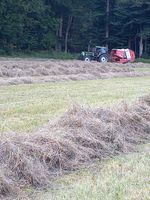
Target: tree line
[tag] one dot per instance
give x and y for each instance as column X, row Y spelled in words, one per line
column 74, row 25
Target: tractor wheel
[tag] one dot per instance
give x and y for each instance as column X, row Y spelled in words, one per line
column 87, row 59
column 103, row 58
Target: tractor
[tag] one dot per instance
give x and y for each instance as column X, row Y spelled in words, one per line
column 98, row 53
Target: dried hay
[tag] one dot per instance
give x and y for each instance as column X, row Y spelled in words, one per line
column 25, row 68
column 79, row 136
column 18, row 71
column 7, row 186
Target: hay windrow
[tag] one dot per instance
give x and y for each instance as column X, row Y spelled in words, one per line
column 78, row 137
column 23, row 71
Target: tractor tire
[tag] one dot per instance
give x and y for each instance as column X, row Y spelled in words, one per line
column 87, row 59
column 103, row 58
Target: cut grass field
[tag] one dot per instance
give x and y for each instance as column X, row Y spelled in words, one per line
column 26, row 107
column 122, row 178
column 142, row 69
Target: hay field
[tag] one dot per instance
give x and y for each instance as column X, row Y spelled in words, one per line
column 74, row 140
column 120, row 178
column 24, row 108
column 19, row 71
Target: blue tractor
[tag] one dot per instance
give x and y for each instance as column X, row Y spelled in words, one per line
column 98, row 53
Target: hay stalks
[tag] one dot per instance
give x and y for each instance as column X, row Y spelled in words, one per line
column 22, row 71
column 79, row 136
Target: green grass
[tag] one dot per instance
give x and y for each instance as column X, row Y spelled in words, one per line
column 41, row 54
column 26, row 107
column 122, row 178
column 142, row 69
column 143, row 60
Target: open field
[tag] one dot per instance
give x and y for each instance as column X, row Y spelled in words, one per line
column 26, row 107
column 72, row 141
column 77, row 138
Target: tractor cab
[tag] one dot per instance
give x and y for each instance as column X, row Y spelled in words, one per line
column 98, row 51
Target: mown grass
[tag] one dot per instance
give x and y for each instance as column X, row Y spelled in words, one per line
column 122, row 178
column 26, row 107
column 142, row 69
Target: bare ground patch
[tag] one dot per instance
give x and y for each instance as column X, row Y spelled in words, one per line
column 79, row 136
column 19, row 71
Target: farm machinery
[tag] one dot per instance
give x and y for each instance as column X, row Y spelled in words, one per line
column 100, row 54
column 122, row 55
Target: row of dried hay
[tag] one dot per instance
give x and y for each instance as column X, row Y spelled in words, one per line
column 25, row 68
column 81, row 135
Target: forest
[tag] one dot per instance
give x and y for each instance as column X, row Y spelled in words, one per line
column 74, row 25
